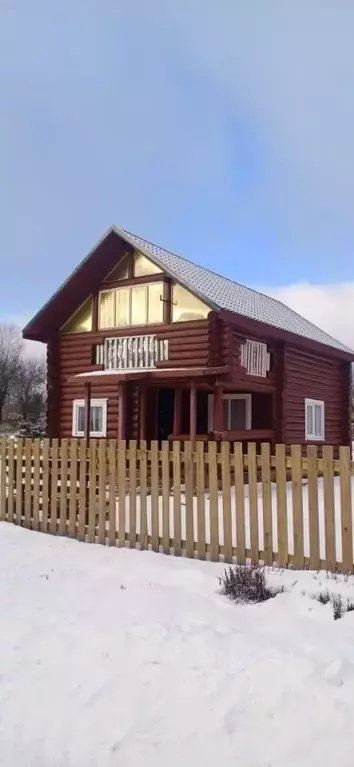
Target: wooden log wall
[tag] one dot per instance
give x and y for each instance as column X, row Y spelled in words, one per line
column 308, row 375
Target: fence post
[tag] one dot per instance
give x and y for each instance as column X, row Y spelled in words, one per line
column 346, row 508
column 3, row 480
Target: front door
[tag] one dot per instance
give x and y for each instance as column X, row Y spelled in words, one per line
column 165, row 407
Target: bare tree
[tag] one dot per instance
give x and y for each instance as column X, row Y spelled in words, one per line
column 28, row 388
column 10, row 358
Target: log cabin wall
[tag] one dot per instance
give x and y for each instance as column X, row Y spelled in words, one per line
column 309, row 375
column 230, row 341
column 71, row 354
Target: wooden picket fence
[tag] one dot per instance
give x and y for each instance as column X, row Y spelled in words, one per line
column 212, row 502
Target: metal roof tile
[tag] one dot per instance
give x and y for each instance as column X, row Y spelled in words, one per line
column 223, row 293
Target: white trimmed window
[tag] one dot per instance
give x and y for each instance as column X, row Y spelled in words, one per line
column 98, row 418
column 314, row 420
column 237, row 412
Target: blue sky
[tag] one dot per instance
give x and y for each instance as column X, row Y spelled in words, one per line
column 223, row 134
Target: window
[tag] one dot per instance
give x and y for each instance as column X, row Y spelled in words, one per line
column 98, row 418
column 314, row 420
column 81, row 321
column 255, row 358
column 131, row 306
column 186, row 307
column 120, row 271
column 143, row 267
column 237, row 412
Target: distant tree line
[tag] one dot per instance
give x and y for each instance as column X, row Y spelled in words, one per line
column 22, row 386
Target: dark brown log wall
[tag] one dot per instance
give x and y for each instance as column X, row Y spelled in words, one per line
column 230, row 342
column 310, row 375
column 71, row 354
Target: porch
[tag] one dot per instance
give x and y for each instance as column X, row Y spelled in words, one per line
column 184, row 405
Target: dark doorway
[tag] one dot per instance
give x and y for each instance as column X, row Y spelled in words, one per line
column 165, row 407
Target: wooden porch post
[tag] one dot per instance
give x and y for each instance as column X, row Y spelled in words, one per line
column 142, row 426
column 218, row 409
column 87, row 411
column 177, row 411
column 193, row 413
column 121, row 410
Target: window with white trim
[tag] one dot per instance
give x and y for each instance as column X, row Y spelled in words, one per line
column 314, row 420
column 237, row 412
column 98, row 418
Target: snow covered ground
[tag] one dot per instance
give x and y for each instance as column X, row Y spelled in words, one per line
column 117, row 657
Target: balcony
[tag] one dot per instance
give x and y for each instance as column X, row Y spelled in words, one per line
column 131, row 353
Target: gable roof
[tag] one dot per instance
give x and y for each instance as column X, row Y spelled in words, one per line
column 222, row 293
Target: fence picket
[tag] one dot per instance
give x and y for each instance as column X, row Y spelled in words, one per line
column 328, row 488
column 188, row 483
column 213, row 502
column 112, row 482
column 45, row 485
column 298, row 514
column 267, row 505
column 165, row 461
column 11, row 480
column 64, row 488
column 73, row 489
column 314, row 532
column 83, row 496
column 132, row 493
column 226, row 500
column 154, row 467
column 240, row 504
column 177, row 520
column 143, row 496
column 91, row 533
column 121, row 491
column 53, row 488
column 102, row 471
column 253, row 502
column 3, row 479
column 282, row 513
column 200, row 480
column 346, row 508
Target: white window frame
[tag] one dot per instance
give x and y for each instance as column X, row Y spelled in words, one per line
column 311, row 436
column 229, row 396
column 78, row 403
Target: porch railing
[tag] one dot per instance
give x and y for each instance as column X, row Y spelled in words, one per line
column 131, row 353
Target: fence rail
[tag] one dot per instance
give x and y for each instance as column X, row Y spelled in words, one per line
column 216, row 503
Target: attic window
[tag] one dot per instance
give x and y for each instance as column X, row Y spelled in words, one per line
column 186, row 307
column 143, row 267
column 81, row 320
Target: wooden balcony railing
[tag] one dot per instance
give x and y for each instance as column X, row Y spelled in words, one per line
column 131, row 353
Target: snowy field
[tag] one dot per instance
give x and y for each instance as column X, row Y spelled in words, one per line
column 115, row 657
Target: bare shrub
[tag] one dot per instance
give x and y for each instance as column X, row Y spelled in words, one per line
column 246, row 584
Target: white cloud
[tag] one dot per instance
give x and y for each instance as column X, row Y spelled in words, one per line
column 331, row 307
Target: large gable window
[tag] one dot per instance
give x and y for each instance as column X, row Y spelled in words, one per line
column 131, row 306
column 186, row 307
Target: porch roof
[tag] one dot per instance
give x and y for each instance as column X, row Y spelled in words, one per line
column 154, row 374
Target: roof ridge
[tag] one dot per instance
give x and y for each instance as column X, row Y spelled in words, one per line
column 276, row 301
